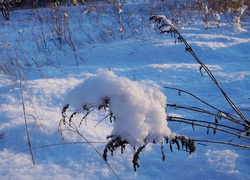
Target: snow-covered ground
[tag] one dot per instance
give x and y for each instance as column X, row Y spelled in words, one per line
column 31, row 46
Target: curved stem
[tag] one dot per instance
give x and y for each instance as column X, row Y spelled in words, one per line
column 171, row 29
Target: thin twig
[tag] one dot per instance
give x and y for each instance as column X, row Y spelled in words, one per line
column 205, row 112
column 172, row 118
column 51, row 145
column 75, row 129
column 210, row 127
column 25, row 119
column 199, row 99
column 222, row 142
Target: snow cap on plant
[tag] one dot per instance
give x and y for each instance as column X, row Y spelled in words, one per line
column 138, row 110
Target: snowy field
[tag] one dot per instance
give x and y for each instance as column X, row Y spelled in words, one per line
column 42, row 47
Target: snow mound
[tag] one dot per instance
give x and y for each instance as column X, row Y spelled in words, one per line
column 139, row 110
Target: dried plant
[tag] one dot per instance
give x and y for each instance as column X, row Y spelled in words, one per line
column 115, row 141
column 240, row 125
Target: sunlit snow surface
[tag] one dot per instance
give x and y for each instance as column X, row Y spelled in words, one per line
column 153, row 60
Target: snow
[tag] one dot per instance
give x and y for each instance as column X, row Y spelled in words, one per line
column 139, row 110
column 222, row 161
column 144, row 63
